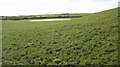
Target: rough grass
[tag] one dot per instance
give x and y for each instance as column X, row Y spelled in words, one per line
column 92, row 39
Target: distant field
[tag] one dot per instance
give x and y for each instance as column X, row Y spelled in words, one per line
column 45, row 16
column 91, row 39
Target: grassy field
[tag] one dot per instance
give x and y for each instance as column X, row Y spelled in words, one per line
column 91, row 39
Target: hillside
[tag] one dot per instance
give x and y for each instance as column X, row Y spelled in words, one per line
column 91, row 39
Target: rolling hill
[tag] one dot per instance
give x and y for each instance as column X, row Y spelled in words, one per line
column 91, row 39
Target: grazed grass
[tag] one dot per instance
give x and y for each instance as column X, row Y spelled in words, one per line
column 92, row 39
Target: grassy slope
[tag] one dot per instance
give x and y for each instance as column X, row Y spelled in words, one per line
column 91, row 39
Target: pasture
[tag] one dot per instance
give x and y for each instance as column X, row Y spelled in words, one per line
column 91, row 39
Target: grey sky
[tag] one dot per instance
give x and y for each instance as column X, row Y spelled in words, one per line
column 35, row 7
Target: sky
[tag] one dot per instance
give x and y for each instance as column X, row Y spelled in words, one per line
column 37, row 7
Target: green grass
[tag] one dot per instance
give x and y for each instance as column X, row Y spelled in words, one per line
column 92, row 39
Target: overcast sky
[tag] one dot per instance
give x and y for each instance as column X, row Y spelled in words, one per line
column 36, row 7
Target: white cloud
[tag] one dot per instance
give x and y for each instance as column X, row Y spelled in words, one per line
column 31, row 7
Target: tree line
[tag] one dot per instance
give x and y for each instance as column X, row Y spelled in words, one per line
column 37, row 17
